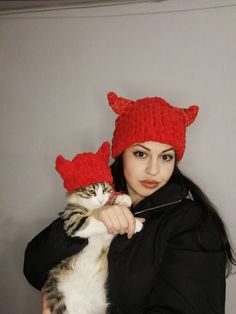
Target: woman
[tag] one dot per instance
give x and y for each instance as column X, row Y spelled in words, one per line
column 177, row 264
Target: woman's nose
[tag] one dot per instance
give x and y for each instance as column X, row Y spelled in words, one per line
column 153, row 167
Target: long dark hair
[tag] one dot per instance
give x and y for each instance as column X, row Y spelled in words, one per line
column 198, row 196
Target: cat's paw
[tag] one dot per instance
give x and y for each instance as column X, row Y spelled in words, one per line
column 138, row 226
column 123, row 199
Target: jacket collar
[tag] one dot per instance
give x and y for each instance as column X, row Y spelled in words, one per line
column 170, row 194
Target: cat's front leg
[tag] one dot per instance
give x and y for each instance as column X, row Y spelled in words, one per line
column 91, row 227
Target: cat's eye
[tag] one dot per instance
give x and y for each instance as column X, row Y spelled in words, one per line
column 105, row 187
column 92, row 192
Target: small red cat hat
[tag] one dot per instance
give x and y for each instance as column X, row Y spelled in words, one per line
column 85, row 169
column 149, row 119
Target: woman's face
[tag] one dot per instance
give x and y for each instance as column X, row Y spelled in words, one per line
column 147, row 167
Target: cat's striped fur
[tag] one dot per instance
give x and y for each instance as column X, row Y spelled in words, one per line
column 75, row 214
column 77, row 284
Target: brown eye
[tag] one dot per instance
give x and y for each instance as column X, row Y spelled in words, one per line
column 167, row 157
column 140, row 154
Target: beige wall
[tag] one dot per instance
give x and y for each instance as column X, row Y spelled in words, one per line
column 55, row 71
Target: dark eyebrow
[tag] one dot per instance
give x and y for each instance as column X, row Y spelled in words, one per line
column 168, row 149
column 141, row 146
column 164, row 151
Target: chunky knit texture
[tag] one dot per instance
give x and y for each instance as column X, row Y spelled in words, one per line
column 149, row 119
column 85, row 169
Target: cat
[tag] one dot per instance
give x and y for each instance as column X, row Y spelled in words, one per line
column 78, row 284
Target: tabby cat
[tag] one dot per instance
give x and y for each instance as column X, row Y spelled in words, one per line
column 77, row 284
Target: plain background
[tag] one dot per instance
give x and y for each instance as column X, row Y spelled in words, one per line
column 55, row 70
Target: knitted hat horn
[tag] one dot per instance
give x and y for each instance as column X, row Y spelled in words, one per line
column 85, row 169
column 149, row 119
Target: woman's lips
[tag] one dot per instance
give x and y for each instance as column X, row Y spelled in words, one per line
column 149, row 184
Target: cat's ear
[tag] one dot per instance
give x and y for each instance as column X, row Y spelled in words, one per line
column 104, row 151
column 119, row 104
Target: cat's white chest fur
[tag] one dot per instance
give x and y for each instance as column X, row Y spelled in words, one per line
column 84, row 289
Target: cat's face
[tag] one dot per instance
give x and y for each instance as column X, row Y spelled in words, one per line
column 92, row 196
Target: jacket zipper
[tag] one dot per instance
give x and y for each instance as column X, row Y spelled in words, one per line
column 152, row 208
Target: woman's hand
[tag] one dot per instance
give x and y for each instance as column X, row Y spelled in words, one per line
column 118, row 219
column 44, row 304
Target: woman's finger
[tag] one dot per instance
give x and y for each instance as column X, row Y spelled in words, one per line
column 117, row 219
column 131, row 222
column 107, row 222
column 116, row 216
column 124, row 224
column 44, row 304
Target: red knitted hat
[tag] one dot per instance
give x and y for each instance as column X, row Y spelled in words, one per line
column 149, row 119
column 85, row 169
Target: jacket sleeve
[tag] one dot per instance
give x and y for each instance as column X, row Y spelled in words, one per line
column 46, row 250
column 191, row 279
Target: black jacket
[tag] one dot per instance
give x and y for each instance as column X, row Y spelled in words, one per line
column 163, row 269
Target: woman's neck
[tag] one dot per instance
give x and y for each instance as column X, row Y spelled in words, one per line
column 136, row 198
